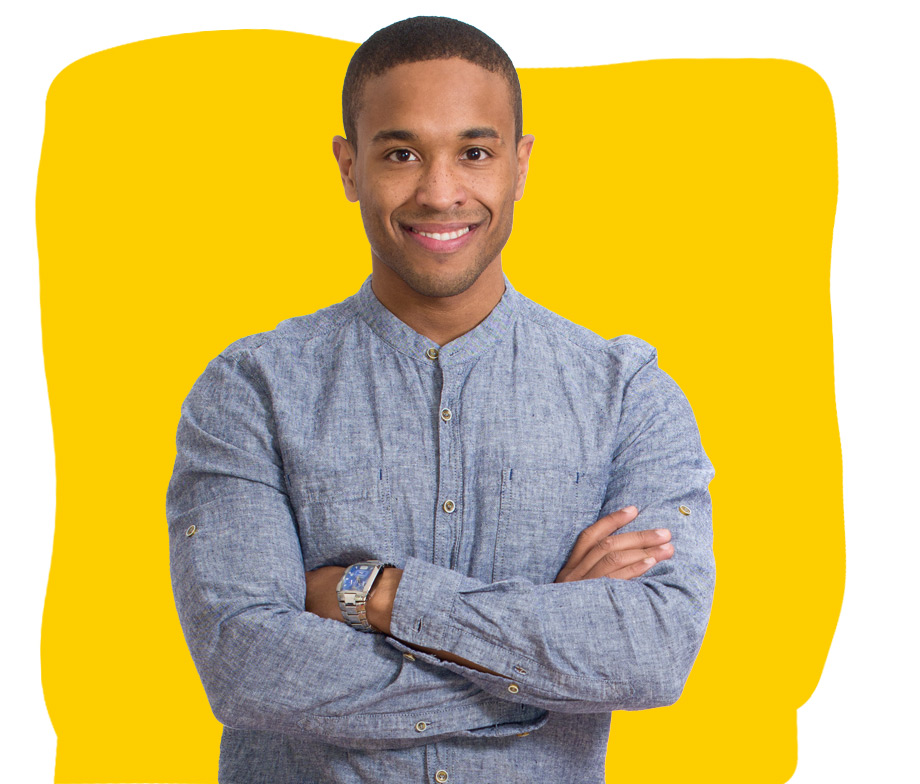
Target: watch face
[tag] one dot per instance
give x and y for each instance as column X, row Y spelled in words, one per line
column 356, row 577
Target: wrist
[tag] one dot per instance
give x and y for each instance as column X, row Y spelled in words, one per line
column 379, row 603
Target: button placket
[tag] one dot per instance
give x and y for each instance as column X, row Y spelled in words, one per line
column 438, row 764
column 447, row 519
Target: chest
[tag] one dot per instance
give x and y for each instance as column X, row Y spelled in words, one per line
column 491, row 469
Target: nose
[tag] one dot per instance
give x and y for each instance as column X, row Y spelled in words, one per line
column 441, row 186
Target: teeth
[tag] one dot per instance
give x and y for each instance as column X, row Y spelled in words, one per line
column 451, row 235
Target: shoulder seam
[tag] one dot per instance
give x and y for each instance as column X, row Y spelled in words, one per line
column 541, row 319
column 326, row 326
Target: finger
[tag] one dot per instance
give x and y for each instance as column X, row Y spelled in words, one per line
column 624, row 567
column 595, row 532
column 612, row 551
column 635, row 570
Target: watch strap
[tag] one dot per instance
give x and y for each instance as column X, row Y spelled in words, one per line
column 353, row 603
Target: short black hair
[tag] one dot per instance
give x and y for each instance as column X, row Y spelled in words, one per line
column 418, row 39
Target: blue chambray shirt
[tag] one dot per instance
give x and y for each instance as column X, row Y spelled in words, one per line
column 341, row 436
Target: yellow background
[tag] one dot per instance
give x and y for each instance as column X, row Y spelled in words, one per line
column 188, row 196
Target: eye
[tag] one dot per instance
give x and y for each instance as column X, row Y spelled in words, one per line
column 476, row 154
column 402, row 156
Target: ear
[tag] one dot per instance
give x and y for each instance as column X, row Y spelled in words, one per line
column 524, row 148
column 344, row 153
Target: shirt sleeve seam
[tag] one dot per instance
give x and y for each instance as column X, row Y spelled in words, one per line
column 517, row 655
column 620, row 447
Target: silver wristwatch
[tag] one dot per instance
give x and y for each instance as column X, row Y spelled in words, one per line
column 353, row 590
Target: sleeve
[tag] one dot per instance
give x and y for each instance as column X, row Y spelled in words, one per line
column 238, row 580
column 601, row 644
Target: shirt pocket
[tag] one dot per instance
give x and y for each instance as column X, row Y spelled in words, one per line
column 345, row 516
column 541, row 512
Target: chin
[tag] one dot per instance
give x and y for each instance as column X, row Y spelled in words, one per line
column 440, row 285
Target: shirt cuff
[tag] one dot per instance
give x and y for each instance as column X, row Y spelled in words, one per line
column 426, row 610
column 423, row 605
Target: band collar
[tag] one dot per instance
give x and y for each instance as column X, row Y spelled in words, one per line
column 406, row 340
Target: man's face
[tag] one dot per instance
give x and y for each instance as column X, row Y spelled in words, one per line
column 437, row 171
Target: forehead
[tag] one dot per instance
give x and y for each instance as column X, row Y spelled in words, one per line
column 435, row 97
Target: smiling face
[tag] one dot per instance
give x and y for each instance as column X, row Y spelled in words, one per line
column 437, row 170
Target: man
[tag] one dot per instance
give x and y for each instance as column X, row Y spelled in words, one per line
column 481, row 453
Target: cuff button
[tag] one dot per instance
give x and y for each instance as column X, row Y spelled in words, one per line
column 190, row 531
column 421, row 726
column 684, row 510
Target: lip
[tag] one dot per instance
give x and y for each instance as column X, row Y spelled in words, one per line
column 440, row 246
column 439, row 228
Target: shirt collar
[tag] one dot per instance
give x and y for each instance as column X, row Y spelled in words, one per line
column 406, row 340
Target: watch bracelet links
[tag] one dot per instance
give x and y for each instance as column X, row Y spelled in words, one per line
column 355, row 612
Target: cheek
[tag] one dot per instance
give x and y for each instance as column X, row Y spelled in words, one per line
column 501, row 201
column 385, row 194
column 497, row 192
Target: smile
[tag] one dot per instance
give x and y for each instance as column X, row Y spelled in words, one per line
column 451, row 235
column 444, row 235
column 445, row 238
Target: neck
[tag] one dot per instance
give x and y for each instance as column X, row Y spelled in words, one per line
column 440, row 319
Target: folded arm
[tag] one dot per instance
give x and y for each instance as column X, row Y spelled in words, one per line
column 597, row 644
column 597, row 553
column 238, row 579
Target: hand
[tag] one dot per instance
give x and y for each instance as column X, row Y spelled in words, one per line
column 599, row 553
column 322, row 599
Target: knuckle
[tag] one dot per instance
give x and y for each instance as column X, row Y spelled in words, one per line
column 607, row 544
column 612, row 559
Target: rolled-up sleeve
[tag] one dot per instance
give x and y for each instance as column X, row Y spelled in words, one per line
column 238, row 578
column 600, row 644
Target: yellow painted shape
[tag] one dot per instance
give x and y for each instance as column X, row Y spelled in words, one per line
column 188, row 196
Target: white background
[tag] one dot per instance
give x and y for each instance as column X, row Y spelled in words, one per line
column 859, row 725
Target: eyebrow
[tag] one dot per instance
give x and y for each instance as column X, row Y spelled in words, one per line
column 484, row 132
column 394, row 135
column 398, row 135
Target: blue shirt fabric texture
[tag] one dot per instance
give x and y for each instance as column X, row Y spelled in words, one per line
column 339, row 437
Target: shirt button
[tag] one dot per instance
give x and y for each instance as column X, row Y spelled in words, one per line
column 445, row 414
column 448, row 506
column 421, row 726
column 441, row 776
column 684, row 510
column 513, row 688
column 432, row 353
column 190, row 531
column 408, row 657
